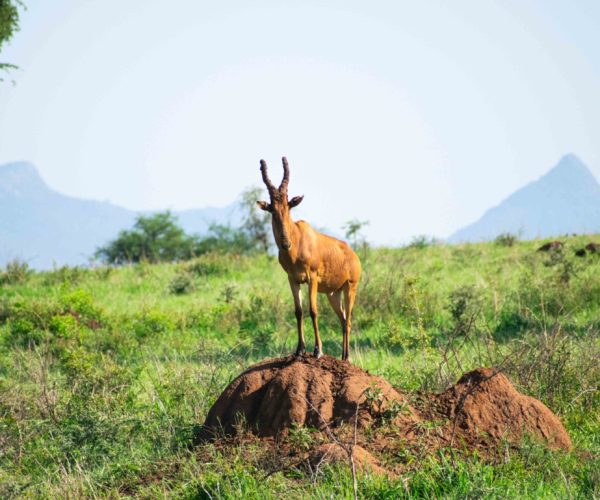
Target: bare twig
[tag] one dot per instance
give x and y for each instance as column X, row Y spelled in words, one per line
column 348, row 448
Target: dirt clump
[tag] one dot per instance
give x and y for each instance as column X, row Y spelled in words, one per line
column 551, row 246
column 334, row 453
column 483, row 411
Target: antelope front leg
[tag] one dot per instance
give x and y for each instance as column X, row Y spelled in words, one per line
column 296, row 292
column 313, row 285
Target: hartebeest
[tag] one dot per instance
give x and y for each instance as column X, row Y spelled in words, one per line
column 327, row 264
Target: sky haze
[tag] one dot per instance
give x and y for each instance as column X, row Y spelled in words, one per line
column 416, row 116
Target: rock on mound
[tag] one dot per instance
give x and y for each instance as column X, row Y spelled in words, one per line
column 275, row 394
column 485, row 405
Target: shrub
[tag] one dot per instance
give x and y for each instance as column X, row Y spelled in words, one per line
column 422, row 241
column 209, row 264
column 17, row 271
column 464, row 305
column 25, row 333
column 80, row 304
column 182, row 283
column 506, row 239
column 152, row 322
column 64, row 326
column 510, row 323
column 402, row 334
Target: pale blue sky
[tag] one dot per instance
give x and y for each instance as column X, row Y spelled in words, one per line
column 417, row 116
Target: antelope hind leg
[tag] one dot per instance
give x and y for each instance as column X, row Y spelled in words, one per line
column 312, row 290
column 335, row 299
column 349, row 297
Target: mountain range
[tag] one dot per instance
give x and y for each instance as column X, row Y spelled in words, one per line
column 45, row 228
column 563, row 201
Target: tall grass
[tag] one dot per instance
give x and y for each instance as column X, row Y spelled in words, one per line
column 104, row 372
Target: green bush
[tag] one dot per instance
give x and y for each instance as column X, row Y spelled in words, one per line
column 152, row 322
column 210, row 264
column 25, row 333
column 182, row 283
column 65, row 326
column 80, row 304
column 506, row 239
column 16, row 272
column 422, row 241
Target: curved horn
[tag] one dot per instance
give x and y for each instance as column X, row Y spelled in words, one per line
column 263, row 170
column 286, row 176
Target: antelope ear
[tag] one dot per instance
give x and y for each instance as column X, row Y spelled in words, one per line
column 263, row 205
column 295, row 201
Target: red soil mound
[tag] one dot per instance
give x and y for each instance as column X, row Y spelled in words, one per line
column 484, row 405
column 480, row 411
column 272, row 396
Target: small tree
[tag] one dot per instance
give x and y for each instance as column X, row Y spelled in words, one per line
column 422, row 241
column 354, row 233
column 154, row 238
column 256, row 223
column 506, row 239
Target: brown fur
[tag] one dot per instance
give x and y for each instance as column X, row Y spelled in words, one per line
column 326, row 264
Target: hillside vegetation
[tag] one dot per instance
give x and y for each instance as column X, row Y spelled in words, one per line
column 104, row 373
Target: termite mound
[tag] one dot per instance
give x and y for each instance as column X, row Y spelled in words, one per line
column 276, row 394
column 482, row 411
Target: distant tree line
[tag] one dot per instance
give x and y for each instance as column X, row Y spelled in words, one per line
column 159, row 238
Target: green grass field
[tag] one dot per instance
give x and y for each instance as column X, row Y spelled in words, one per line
column 105, row 372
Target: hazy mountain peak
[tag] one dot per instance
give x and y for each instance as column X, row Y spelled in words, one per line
column 564, row 200
column 46, row 228
column 570, row 169
column 21, row 179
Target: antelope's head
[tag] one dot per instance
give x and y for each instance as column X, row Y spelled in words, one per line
column 279, row 205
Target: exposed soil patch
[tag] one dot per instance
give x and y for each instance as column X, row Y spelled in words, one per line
column 274, row 398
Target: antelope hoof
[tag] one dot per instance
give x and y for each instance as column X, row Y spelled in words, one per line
column 300, row 352
column 317, row 353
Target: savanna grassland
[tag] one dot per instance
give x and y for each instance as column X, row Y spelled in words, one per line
column 105, row 373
